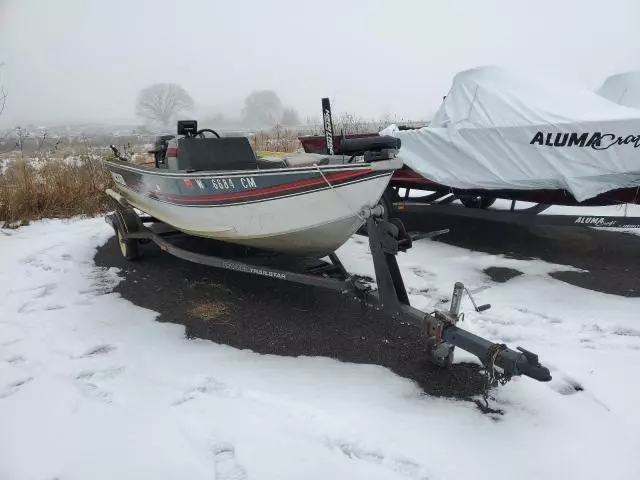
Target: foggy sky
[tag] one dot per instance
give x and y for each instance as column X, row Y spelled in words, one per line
column 86, row 60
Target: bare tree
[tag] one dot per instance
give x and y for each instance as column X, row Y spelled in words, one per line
column 21, row 135
column 163, row 102
column 262, row 108
column 351, row 125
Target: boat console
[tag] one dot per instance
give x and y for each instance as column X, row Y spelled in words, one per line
column 196, row 152
column 226, row 153
column 192, row 150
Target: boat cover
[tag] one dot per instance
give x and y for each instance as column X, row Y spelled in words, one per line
column 498, row 129
column 622, row 88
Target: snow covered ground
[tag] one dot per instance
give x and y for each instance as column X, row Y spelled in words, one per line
column 91, row 387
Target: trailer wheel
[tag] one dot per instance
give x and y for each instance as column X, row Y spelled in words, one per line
column 128, row 247
column 387, row 204
column 477, row 202
column 126, row 222
column 387, row 199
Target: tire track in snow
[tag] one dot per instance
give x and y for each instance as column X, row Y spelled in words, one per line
column 14, row 387
column 225, row 464
column 404, row 466
column 208, row 386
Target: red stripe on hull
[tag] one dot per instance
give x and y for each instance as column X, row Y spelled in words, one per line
column 336, row 176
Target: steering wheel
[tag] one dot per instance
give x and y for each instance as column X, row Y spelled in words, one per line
column 200, row 133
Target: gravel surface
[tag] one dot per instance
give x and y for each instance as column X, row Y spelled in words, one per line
column 275, row 317
column 280, row 318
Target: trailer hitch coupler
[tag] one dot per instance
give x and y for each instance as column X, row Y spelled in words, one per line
column 537, row 372
column 513, row 362
column 529, row 365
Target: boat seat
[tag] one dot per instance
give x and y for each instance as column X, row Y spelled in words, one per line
column 271, row 162
column 225, row 153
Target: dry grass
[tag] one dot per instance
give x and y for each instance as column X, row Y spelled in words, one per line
column 282, row 139
column 276, row 140
column 52, row 188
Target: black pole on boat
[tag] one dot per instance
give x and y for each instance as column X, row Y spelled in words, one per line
column 327, row 120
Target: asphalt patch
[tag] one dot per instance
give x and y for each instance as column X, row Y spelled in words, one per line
column 501, row 274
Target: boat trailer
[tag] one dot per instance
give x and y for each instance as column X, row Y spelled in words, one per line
column 386, row 239
column 478, row 207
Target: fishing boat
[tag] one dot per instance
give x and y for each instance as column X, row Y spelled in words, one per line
column 216, row 187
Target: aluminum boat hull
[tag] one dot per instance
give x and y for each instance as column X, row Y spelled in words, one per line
column 305, row 211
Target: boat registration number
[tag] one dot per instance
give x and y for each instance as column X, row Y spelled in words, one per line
column 245, row 183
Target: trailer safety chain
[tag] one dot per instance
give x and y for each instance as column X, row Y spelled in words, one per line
column 493, row 377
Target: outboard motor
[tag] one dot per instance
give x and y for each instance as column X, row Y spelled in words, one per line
column 159, row 149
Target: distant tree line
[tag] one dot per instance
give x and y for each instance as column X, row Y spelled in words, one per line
column 163, row 103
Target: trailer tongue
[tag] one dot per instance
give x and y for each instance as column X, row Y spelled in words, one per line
column 386, row 239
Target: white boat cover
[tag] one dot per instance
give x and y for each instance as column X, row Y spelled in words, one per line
column 622, row 88
column 497, row 129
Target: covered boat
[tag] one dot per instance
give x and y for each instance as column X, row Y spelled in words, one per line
column 500, row 130
column 216, row 187
column 622, row 88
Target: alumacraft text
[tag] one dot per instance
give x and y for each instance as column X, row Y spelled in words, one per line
column 595, row 140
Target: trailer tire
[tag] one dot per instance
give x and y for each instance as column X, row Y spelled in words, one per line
column 387, row 206
column 386, row 201
column 126, row 222
column 128, row 247
column 477, row 202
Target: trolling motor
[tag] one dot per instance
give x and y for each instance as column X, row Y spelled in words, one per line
column 386, row 239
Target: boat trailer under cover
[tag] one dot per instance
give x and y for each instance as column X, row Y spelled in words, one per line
column 386, row 239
